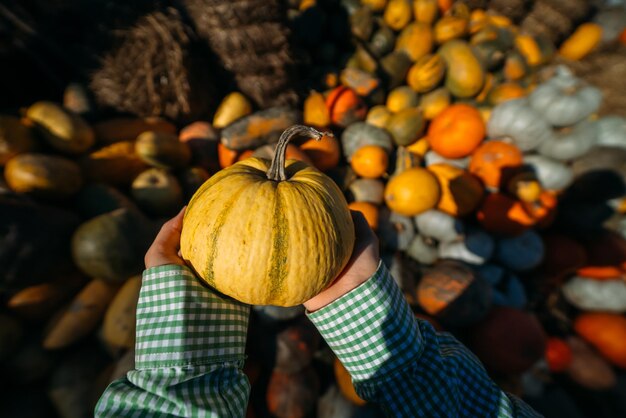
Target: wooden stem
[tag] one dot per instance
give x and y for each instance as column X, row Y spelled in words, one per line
column 277, row 169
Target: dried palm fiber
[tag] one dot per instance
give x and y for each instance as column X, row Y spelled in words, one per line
column 251, row 41
column 554, row 19
column 160, row 68
column 605, row 69
column 513, row 9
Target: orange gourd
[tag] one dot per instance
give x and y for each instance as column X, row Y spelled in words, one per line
column 425, row 10
column 558, row 354
column 461, row 192
column 426, row 73
column 315, row 110
column 370, row 161
column 491, row 158
column 505, row 91
column 369, row 210
column 246, row 154
column 586, row 37
column 606, row 332
column 456, row 131
column 325, row 153
column 345, row 106
column 226, row 156
column 435, row 102
column 412, row 192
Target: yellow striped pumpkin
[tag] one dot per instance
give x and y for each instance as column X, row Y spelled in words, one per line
column 269, row 233
column 426, row 73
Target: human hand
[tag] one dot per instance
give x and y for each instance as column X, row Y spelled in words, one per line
column 361, row 266
column 166, row 245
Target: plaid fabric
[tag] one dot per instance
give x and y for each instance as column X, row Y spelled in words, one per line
column 189, row 352
column 404, row 365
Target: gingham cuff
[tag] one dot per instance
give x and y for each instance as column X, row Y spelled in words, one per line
column 371, row 329
column 181, row 322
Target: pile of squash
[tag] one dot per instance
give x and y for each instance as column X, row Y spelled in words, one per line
column 496, row 191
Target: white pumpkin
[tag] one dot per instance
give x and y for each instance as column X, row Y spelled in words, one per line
column 507, row 288
column 368, row 190
column 553, row 175
column 516, row 120
column 612, row 131
column 564, row 99
column 476, row 247
column 431, row 157
column 394, row 230
column 423, row 250
column 438, row 225
column 570, row 143
column 596, row 295
column 521, row 253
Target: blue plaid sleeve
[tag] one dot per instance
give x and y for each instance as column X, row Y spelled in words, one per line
column 402, row 364
column 189, row 351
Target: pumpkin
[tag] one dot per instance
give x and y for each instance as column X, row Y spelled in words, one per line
column 501, row 214
column 530, row 50
column 15, row 138
column 491, row 159
column 412, row 192
column 521, row 253
column 378, row 116
column 419, row 147
column 157, row 192
column 461, row 192
column 596, row 295
column 315, row 110
column 503, row 351
column 406, row 126
column 43, row 176
column 234, row 106
column 398, row 14
column 580, row 43
column 360, row 134
column 401, row 98
column 558, row 354
column 259, row 128
column 162, row 150
column 476, row 247
column 564, row 99
column 456, row 131
column 422, row 249
column 395, row 231
column 416, row 40
column 369, row 211
column 434, row 102
column 368, row 190
column 426, row 73
column 287, row 198
column 606, row 332
column 588, row 368
column 42, row 300
column 505, row 91
column 382, row 41
column 370, row 161
column 324, row 153
column 345, row 106
column 63, row 130
column 464, row 76
column 116, row 164
column 344, row 381
column 394, row 68
column 506, row 288
column 524, row 125
column 570, row 143
column 112, row 246
column 451, row 27
column 202, row 140
column 118, row 326
column 611, row 131
column 515, row 67
column 553, row 175
column 453, row 294
column 490, row 53
column 425, row 11
column 128, row 129
column 438, row 225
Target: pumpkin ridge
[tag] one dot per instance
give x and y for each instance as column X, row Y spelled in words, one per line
column 278, row 260
column 209, row 274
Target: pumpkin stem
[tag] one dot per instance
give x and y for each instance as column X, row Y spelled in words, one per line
column 277, row 169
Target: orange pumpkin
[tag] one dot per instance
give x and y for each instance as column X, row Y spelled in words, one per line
column 461, row 192
column 246, row 154
column 543, row 210
column 345, row 106
column 370, row 161
column 434, row 102
column 450, row 27
column 226, row 156
column 606, row 332
column 412, row 192
column 369, row 210
column 425, row 10
column 444, row 5
column 456, row 131
column 325, row 153
column 505, row 91
column 315, row 111
column 491, row 158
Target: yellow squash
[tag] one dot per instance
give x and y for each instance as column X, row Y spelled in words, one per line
column 465, row 76
column 269, row 233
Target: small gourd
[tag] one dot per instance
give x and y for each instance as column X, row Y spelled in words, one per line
column 261, row 223
column 580, row 43
column 325, row 153
column 435, row 102
column 234, row 106
column 461, row 192
column 412, row 192
column 516, row 120
column 564, row 99
column 611, row 131
column 588, row 368
column 456, row 131
column 521, row 253
column 345, row 106
column 360, row 134
column 570, row 143
column 370, row 161
column 438, row 225
column 395, row 231
column 464, row 76
column 476, row 247
column 416, row 40
column 401, row 98
column 398, row 14
column 452, row 26
column 432, row 158
column 368, row 190
column 157, row 192
column 315, row 110
column 406, row 126
column 378, row 116
column 62, row 129
column 15, row 138
column 425, row 10
column 423, row 250
column 426, row 73
column 162, row 150
column 596, row 295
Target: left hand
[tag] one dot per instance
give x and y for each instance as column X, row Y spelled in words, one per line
column 165, row 248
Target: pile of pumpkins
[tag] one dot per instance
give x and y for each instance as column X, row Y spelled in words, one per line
column 489, row 179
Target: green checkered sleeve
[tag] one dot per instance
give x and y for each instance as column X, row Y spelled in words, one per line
column 402, row 364
column 189, row 351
